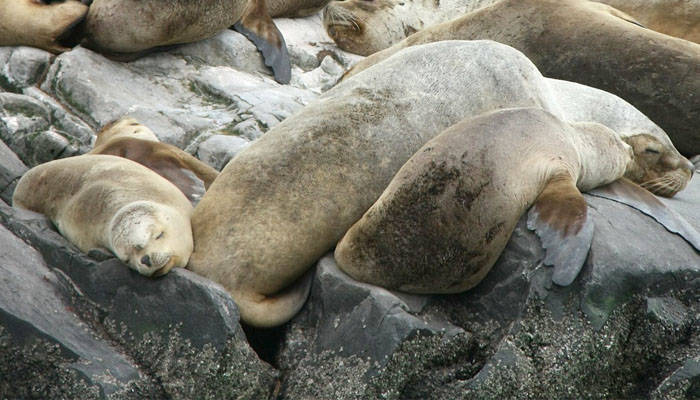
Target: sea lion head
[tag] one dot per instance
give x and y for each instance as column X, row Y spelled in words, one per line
column 357, row 26
column 151, row 238
column 124, row 127
column 656, row 166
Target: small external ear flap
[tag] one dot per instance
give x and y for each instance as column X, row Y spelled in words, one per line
column 627, row 192
column 256, row 25
column 559, row 216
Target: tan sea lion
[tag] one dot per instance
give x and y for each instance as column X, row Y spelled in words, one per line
column 592, row 44
column 39, row 24
column 128, row 138
column 368, row 26
column 679, row 18
column 365, row 27
column 106, row 202
column 127, row 28
column 449, row 212
column 287, row 199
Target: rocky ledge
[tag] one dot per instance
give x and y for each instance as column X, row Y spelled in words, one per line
column 73, row 326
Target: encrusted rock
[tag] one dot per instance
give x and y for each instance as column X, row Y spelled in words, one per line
column 45, row 348
column 181, row 330
column 21, row 67
column 630, row 319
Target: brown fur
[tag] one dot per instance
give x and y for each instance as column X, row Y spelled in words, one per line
column 167, row 160
column 449, row 212
column 32, row 23
column 561, row 206
column 679, row 18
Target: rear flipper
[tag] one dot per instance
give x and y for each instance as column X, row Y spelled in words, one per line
column 560, row 219
column 627, row 192
column 262, row 311
column 256, row 25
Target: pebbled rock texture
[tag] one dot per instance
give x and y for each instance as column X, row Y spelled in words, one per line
column 628, row 327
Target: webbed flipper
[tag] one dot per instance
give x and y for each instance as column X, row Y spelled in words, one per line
column 559, row 217
column 257, row 25
column 627, row 192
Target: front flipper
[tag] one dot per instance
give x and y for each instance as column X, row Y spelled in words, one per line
column 256, row 25
column 627, row 192
column 559, row 216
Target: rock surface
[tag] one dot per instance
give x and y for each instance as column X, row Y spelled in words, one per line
column 628, row 327
column 78, row 326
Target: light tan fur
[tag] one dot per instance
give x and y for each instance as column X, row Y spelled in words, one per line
column 108, row 202
column 128, row 138
column 32, row 23
column 124, row 127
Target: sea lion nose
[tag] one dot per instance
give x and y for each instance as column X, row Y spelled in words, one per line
column 146, row 260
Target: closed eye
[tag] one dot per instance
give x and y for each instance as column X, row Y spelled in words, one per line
column 652, row 151
column 160, row 235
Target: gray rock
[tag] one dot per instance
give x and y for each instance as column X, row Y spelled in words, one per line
column 219, row 149
column 621, row 268
column 181, row 330
column 259, row 96
column 22, row 67
column 618, row 331
column 227, row 49
column 249, row 129
column 11, row 169
column 79, row 133
column 178, row 100
column 685, row 203
column 684, row 383
column 36, row 316
column 25, row 126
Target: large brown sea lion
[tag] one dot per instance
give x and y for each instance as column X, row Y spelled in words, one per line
column 367, row 26
column 447, row 215
column 288, row 198
column 124, row 28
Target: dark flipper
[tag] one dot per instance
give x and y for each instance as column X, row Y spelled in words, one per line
column 560, row 219
column 256, row 25
column 627, row 192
